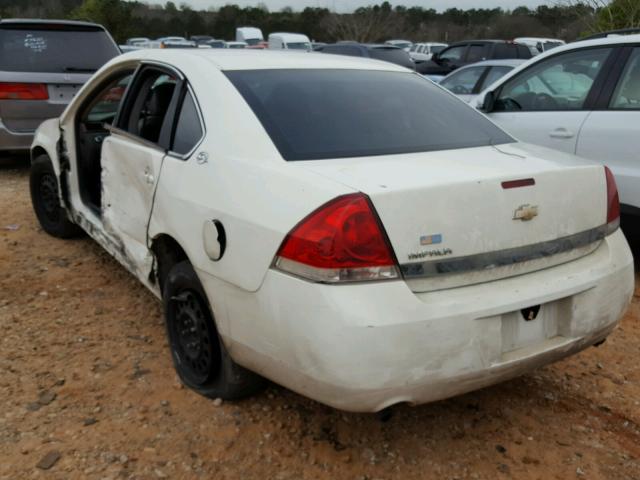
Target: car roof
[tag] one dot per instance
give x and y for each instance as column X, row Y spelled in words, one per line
column 290, row 36
column 256, row 60
column 465, row 42
column 41, row 22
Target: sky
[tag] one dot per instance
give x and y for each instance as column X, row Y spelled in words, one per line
column 350, row 5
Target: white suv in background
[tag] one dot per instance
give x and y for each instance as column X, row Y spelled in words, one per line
column 581, row 98
column 424, row 51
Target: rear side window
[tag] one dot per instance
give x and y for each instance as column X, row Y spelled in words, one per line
column 323, row 114
column 476, row 53
column 54, row 51
column 523, row 51
column 505, row 50
column 188, row 129
column 463, row 82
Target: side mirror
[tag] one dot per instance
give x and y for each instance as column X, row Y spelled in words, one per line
column 487, row 103
column 434, row 56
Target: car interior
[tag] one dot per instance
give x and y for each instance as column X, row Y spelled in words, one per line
column 144, row 117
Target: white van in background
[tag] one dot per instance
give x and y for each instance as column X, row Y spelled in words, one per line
column 538, row 45
column 289, row 41
column 250, row 35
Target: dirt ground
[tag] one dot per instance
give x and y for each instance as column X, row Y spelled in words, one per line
column 87, row 390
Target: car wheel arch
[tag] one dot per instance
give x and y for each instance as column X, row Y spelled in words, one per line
column 167, row 252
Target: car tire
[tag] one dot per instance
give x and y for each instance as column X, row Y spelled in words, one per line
column 199, row 355
column 45, row 198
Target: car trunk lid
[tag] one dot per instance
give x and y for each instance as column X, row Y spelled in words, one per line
column 452, row 220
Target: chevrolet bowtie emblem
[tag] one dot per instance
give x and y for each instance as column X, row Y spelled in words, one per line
column 525, row 212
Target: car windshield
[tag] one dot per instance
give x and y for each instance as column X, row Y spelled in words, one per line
column 323, row 114
column 299, row 46
column 59, row 51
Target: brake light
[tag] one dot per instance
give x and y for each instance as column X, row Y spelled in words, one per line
column 342, row 241
column 613, row 202
column 23, row 91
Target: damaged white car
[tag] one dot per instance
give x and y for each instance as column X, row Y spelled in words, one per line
column 301, row 224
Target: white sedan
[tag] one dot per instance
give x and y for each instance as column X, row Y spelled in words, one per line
column 301, row 224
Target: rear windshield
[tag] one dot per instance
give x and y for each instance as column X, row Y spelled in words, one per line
column 45, row 50
column 323, row 114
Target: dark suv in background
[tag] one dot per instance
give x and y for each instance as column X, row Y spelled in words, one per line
column 43, row 63
column 387, row 53
column 459, row 54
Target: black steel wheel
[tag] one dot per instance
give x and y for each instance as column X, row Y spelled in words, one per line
column 199, row 355
column 195, row 343
column 45, row 198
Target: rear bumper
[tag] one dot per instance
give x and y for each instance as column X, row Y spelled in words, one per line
column 10, row 140
column 365, row 347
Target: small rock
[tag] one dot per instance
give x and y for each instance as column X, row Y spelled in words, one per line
column 217, row 402
column 123, row 458
column 49, row 460
column 160, row 473
column 164, row 403
column 501, row 449
column 89, row 421
column 33, row 406
column 46, row 398
column 579, row 472
column 599, row 365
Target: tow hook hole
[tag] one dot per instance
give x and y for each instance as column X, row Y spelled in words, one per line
column 530, row 313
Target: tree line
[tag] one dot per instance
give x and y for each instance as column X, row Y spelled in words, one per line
column 566, row 19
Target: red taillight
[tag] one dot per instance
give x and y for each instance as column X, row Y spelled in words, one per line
column 341, row 241
column 23, row 91
column 613, row 201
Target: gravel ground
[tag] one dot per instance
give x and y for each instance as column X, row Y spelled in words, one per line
column 87, row 390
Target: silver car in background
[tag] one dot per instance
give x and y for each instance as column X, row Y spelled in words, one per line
column 43, row 63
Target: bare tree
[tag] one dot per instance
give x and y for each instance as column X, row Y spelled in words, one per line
column 603, row 15
column 364, row 25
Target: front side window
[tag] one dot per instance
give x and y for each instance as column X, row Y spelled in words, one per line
column 104, row 107
column 562, row 82
column 463, row 82
column 453, row 53
column 147, row 113
column 188, row 128
column 324, row 114
column 627, row 93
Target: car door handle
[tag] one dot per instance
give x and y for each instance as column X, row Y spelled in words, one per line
column 561, row 133
column 148, row 176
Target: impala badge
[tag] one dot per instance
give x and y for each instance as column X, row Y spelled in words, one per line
column 525, row 212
